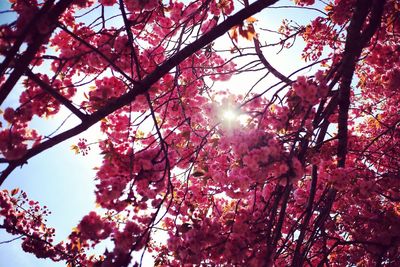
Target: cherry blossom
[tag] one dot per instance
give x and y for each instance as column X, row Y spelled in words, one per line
column 299, row 167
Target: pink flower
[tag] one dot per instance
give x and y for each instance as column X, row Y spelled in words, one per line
column 94, row 228
column 9, row 114
column 107, row 2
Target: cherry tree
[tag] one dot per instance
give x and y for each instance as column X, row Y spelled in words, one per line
column 292, row 169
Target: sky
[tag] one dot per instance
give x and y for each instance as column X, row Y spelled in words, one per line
column 63, row 181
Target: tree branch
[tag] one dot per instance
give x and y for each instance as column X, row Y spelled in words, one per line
column 11, row 54
column 38, row 39
column 353, row 49
column 51, row 91
column 268, row 66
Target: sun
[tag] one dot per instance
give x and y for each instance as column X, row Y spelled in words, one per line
column 230, row 118
column 229, row 115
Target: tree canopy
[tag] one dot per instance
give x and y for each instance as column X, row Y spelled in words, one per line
column 290, row 168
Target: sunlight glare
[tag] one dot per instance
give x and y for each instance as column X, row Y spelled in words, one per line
column 229, row 115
